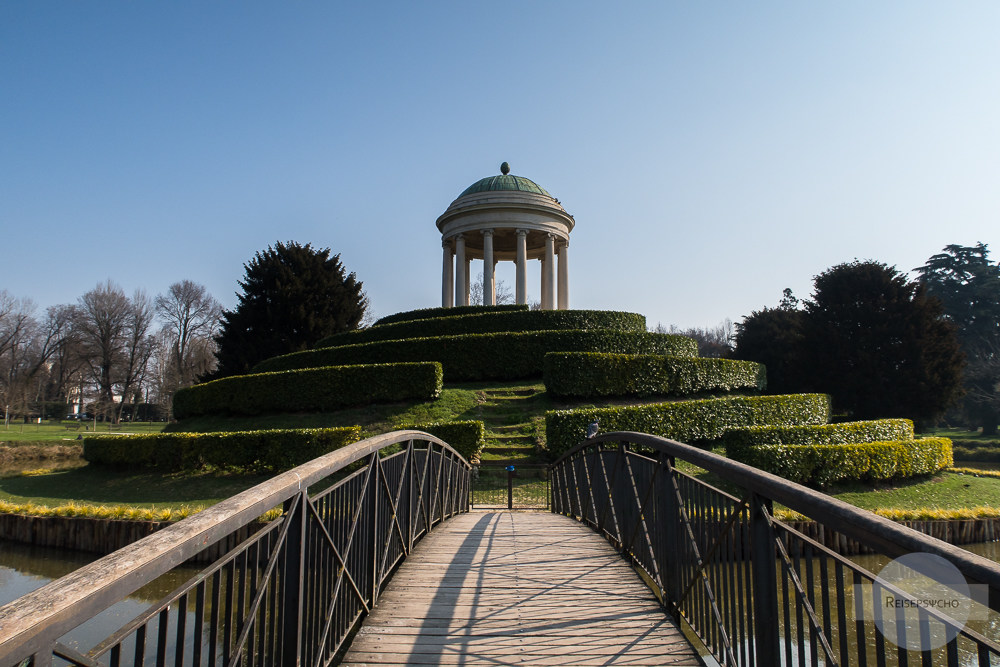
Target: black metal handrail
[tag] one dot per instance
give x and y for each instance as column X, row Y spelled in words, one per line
column 753, row 589
column 289, row 594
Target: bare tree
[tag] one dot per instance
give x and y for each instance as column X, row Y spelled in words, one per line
column 714, row 341
column 138, row 347
column 17, row 329
column 191, row 319
column 477, row 291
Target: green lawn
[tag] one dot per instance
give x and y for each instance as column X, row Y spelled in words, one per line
column 946, row 491
column 93, row 485
column 62, row 430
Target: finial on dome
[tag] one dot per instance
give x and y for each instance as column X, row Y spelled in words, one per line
column 505, row 169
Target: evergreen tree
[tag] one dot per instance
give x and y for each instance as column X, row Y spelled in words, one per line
column 879, row 345
column 293, row 295
column 772, row 336
column 968, row 285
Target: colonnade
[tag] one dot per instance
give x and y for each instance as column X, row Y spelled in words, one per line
column 457, row 264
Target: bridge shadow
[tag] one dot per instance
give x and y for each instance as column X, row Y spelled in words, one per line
column 500, row 594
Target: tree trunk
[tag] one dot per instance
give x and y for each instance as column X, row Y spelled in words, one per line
column 990, row 427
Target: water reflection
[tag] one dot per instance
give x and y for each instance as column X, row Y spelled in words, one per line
column 25, row 568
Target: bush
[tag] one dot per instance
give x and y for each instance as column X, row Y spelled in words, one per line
column 588, row 374
column 246, row 451
column 868, row 461
column 695, row 422
column 466, row 437
column 499, row 356
column 825, row 434
column 516, row 321
column 428, row 313
column 311, row 390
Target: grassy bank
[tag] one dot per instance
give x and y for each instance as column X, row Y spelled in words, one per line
column 66, row 430
column 92, row 485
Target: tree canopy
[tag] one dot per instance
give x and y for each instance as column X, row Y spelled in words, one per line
column 968, row 285
column 293, row 295
column 869, row 337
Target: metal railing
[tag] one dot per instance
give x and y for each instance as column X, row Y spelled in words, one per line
column 754, row 590
column 290, row 594
column 510, row 486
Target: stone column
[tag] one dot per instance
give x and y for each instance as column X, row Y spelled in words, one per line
column 461, row 272
column 544, row 274
column 468, row 282
column 489, row 290
column 522, row 266
column 564, row 276
column 549, row 267
column 447, row 276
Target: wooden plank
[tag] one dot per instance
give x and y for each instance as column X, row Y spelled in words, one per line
column 517, row 588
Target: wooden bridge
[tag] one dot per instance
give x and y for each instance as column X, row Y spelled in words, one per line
column 633, row 550
column 517, row 588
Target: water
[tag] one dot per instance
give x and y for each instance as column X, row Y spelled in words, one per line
column 25, row 568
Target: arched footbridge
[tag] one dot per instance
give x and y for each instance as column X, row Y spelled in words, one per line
column 654, row 553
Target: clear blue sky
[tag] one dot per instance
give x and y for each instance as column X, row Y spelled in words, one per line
column 712, row 153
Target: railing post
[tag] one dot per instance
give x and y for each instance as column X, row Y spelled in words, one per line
column 293, row 580
column 669, row 519
column 765, row 582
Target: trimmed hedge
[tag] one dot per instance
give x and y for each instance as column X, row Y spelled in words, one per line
column 310, row 390
column 982, row 454
column 867, row 461
column 874, row 430
column 248, row 451
column 516, row 321
column 498, row 356
column 467, row 437
column 694, row 422
column 588, row 374
column 428, row 313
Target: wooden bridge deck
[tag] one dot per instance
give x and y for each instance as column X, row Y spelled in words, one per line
column 515, row 588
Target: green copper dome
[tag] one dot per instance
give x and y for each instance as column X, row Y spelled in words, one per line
column 505, row 181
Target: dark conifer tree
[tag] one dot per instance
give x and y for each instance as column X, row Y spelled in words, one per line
column 879, row 345
column 772, row 337
column 293, row 295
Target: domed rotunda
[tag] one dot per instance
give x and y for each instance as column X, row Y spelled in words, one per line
column 505, row 218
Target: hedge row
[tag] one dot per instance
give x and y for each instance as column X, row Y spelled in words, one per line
column 868, row 461
column 517, row 321
column 589, row 374
column 248, row 451
column 693, row 422
column 311, row 390
column 844, row 433
column 466, row 437
column 498, row 356
column 964, row 453
column 428, row 313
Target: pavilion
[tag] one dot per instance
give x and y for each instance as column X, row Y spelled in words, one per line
column 505, row 218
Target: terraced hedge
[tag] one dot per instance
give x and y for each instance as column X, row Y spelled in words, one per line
column 467, row 437
column 427, row 313
column 515, row 321
column 590, row 374
column 310, row 390
column 868, row 461
column 267, row 451
column 692, row 422
column 826, row 434
column 498, row 356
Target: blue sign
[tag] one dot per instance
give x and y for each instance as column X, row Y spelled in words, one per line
column 510, row 468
